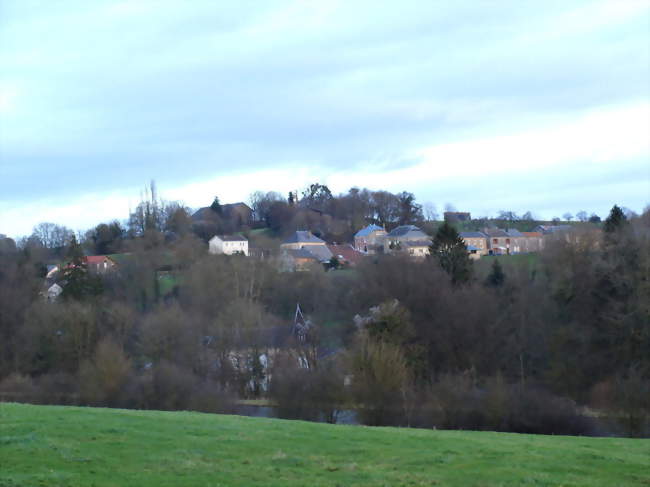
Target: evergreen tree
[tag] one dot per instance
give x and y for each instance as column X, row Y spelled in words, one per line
column 615, row 221
column 449, row 249
column 78, row 282
column 216, row 206
column 497, row 277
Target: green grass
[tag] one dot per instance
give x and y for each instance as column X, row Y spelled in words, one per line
column 70, row 446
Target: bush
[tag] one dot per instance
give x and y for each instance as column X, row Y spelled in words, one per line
column 455, row 403
column 17, row 387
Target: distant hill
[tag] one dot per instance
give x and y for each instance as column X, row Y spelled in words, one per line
column 71, row 446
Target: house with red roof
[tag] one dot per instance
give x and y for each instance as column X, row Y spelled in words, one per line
column 99, row 264
column 346, row 254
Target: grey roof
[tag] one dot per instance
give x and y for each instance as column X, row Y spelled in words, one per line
column 496, row 232
column 513, row 232
column 232, row 238
column 321, row 252
column 410, row 231
column 300, row 254
column 203, row 214
column 417, row 243
column 472, row 235
column 303, row 236
column 364, row 232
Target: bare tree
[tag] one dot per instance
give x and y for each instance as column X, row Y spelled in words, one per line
column 430, row 211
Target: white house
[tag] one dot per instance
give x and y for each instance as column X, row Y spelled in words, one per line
column 228, row 244
column 53, row 292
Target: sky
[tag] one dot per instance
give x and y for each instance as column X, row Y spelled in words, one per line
column 487, row 105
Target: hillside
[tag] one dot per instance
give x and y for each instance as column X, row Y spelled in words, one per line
column 70, row 446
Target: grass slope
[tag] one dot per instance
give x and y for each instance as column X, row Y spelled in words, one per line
column 70, row 446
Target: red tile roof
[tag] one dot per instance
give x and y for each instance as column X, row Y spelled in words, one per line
column 347, row 252
column 97, row 259
column 532, row 234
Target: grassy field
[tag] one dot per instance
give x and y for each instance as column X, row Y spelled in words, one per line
column 69, row 446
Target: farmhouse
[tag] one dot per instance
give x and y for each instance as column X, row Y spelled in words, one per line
column 409, row 239
column 228, row 244
column 370, row 239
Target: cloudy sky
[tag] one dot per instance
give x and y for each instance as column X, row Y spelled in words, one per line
column 489, row 105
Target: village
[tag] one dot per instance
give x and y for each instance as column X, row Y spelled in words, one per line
column 302, row 250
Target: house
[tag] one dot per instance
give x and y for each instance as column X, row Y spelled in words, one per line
column 416, row 248
column 52, row 271
column 516, row 240
column 234, row 215
column 370, row 239
column 498, row 241
column 292, row 260
column 551, row 229
column 239, row 213
column 346, row 254
column 304, row 239
column 53, row 292
column 476, row 242
column 99, row 264
column 228, row 244
column 409, row 239
column 457, row 216
column 532, row 242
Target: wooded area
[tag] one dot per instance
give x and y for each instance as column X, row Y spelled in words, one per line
column 518, row 346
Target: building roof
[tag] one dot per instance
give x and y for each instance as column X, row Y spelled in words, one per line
column 364, row 232
column 407, row 231
column 230, row 206
column 417, row 243
column 531, row 234
column 513, row 232
column 472, row 235
column 321, row 252
column 303, row 236
column 300, row 254
column 97, row 259
column 496, row 232
column 552, row 228
column 231, row 238
column 347, row 253
column 204, row 213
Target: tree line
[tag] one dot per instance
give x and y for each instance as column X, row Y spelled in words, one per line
column 503, row 344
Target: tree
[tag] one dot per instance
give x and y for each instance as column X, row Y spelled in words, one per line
column 52, row 236
column 528, row 216
column 408, row 211
column 496, row 277
column 450, row 251
column 79, row 283
column 216, row 206
column 148, row 215
column 385, row 207
column 568, row 216
column 177, row 219
column 105, row 238
column 261, row 203
column 594, row 218
column 430, row 212
column 582, row 216
column 615, row 221
column 317, row 196
column 510, row 216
